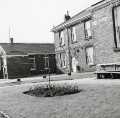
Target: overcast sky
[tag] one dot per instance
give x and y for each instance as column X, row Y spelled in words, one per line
column 31, row 20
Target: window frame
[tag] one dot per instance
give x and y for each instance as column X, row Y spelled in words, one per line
column 73, row 34
column 33, row 63
column 46, row 64
column 115, row 26
column 62, row 60
column 61, row 38
column 86, row 30
column 86, row 55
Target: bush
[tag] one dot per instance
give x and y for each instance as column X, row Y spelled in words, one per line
column 53, row 90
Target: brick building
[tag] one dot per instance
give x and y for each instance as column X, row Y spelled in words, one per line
column 22, row 59
column 90, row 37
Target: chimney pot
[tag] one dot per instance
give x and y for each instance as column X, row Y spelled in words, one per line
column 67, row 16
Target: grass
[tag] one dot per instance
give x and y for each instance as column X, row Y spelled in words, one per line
column 100, row 99
column 52, row 90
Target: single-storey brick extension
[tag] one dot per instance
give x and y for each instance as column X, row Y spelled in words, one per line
column 25, row 59
column 89, row 38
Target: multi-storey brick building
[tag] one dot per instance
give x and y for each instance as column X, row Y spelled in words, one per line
column 90, row 37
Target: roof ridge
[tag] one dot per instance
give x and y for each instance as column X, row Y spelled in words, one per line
column 37, row 48
column 27, row 43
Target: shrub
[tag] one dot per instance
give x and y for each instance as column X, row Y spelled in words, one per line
column 53, row 90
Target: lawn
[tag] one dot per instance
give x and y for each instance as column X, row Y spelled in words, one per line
column 95, row 101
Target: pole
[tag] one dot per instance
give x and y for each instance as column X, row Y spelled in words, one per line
column 69, row 56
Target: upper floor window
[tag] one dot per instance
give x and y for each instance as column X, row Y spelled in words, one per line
column 89, row 55
column 73, row 34
column 62, row 38
column 117, row 24
column 87, row 29
column 32, row 62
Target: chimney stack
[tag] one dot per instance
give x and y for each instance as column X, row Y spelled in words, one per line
column 11, row 41
column 67, row 16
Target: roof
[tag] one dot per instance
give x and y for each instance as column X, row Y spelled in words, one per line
column 86, row 13
column 73, row 20
column 28, row 48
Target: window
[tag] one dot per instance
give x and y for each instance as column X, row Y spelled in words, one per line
column 73, row 34
column 0, row 64
column 46, row 62
column 89, row 55
column 62, row 38
column 62, row 60
column 87, row 29
column 117, row 24
column 32, row 62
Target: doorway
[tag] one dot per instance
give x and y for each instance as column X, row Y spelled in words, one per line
column 74, row 64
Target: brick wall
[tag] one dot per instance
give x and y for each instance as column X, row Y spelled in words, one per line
column 40, row 64
column 18, row 67
column 80, row 45
column 102, row 39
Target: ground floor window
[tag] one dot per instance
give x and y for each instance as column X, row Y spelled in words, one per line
column 89, row 55
column 0, row 64
column 61, row 59
column 64, row 60
column 46, row 62
column 32, row 62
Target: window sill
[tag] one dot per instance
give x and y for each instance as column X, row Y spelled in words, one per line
column 88, row 38
column 62, row 45
column 32, row 69
column 64, row 67
column 46, row 68
column 91, row 65
column 116, row 49
column 74, row 42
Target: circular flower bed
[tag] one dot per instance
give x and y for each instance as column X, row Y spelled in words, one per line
column 52, row 90
column 3, row 115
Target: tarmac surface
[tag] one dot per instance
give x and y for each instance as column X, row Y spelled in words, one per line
column 38, row 79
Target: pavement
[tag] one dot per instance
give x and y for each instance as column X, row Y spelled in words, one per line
column 37, row 79
column 81, row 78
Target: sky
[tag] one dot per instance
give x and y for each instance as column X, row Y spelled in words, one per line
column 30, row 21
